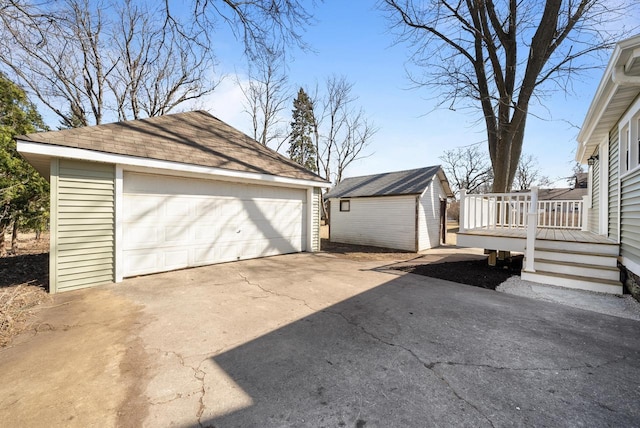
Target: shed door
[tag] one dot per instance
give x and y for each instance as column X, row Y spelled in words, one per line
column 172, row 223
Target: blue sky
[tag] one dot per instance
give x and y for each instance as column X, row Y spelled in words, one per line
column 353, row 39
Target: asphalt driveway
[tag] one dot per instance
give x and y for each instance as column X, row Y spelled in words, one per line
column 314, row 340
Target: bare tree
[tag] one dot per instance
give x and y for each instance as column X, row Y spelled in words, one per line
column 54, row 53
column 528, row 174
column 266, row 96
column 262, row 25
column 343, row 132
column 155, row 68
column 139, row 59
column 499, row 56
column 467, row 168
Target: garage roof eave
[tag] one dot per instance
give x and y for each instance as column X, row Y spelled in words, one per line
column 35, row 153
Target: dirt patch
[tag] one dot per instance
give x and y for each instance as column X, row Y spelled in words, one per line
column 16, row 309
column 24, row 282
column 365, row 252
column 471, row 272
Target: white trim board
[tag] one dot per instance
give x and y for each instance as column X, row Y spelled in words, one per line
column 133, row 163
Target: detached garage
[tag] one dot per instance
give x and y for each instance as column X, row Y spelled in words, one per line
column 405, row 210
column 167, row 193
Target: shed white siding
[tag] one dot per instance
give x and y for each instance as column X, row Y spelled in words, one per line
column 378, row 221
column 82, row 224
column 429, row 216
column 316, row 213
column 171, row 223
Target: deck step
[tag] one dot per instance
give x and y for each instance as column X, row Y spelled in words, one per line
column 574, row 281
column 611, row 249
column 577, row 269
column 580, row 257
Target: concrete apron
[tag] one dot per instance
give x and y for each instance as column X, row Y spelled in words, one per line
column 314, row 340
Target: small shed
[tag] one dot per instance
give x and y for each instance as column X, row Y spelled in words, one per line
column 405, row 210
column 165, row 193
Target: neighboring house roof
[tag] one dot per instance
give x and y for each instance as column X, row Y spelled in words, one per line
column 619, row 86
column 411, row 182
column 195, row 138
column 566, row 194
column 582, row 180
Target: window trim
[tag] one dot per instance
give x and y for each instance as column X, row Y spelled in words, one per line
column 629, row 141
column 345, row 205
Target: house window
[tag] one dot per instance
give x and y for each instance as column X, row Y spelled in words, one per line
column 625, row 149
column 629, row 133
column 345, row 205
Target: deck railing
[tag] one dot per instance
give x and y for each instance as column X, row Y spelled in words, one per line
column 499, row 211
column 509, row 211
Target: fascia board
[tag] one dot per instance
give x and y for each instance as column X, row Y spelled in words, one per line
column 146, row 163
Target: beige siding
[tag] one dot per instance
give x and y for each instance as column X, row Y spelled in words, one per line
column 594, row 212
column 82, row 247
column 614, row 166
column 630, row 217
column 315, row 228
column 383, row 222
column 429, row 216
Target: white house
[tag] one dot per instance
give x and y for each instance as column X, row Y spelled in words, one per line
column 167, row 193
column 405, row 210
column 609, row 142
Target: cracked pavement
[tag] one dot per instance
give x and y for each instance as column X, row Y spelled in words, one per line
column 314, row 340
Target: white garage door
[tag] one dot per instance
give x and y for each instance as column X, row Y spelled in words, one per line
column 172, row 223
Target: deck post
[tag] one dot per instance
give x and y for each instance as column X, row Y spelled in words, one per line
column 585, row 213
column 532, row 226
column 462, row 211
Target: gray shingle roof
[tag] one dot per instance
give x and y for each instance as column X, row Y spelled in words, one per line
column 561, row 194
column 196, row 138
column 410, row 182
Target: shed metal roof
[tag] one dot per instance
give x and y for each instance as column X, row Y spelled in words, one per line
column 410, row 182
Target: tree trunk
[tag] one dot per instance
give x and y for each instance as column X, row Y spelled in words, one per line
column 14, row 237
column 3, row 250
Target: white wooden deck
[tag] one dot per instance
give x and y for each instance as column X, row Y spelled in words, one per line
column 567, row 235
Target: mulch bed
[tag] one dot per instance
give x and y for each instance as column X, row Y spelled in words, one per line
column 471, row 272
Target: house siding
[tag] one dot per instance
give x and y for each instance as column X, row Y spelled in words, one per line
column 379, row 221
column 429, row 216
column 630, row 217
column 594, row 212
column 82, row 242
column 614, row 165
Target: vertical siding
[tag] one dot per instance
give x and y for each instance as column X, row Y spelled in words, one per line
column 594, row 212
column 83, row 212
column 429, row 216
column 630, row 217
column 383, row 222
column 315, row 234
column 614, row 166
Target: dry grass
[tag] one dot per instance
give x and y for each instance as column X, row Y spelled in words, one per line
column 16, row 309
column 23, row 282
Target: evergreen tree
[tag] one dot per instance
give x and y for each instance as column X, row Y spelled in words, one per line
column 301, row 147
column 24, row 194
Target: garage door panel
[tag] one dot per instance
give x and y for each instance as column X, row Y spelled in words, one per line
column 172, row 223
